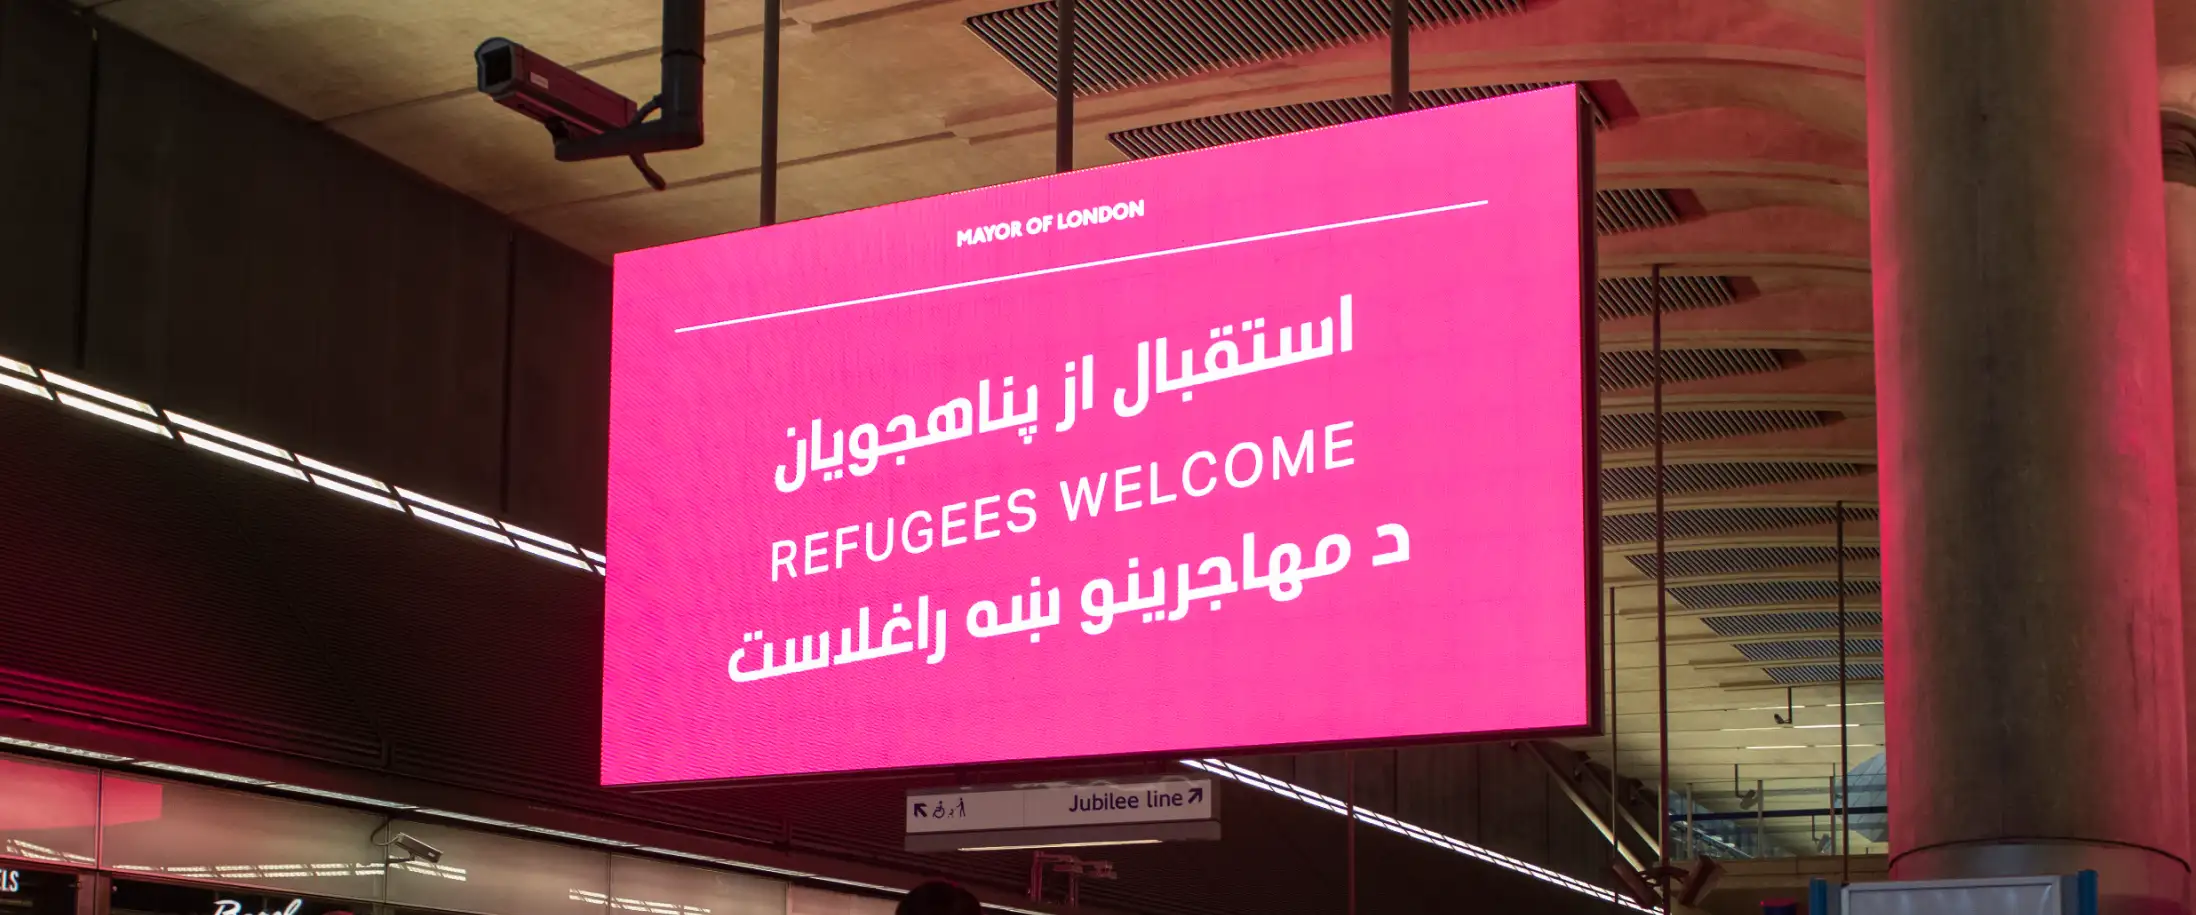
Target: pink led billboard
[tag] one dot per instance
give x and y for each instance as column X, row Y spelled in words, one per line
column 1276, row 444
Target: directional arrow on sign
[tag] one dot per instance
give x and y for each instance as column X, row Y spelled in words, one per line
column 1196, row 795
column 922, row 810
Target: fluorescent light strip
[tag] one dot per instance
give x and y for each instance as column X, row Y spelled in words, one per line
column 466, row 818
column 197, row 441
column 675, row 853
column 357, row 493
column 858, row 884
column 1307, row 796
column 65, row 751
column 199, row 773
column 561, row 834
column 342, row 474
column 336, row 796
column 142, row 416
column 552, row 555
column 466, row 513
column 542, row 539
column 456, row 525
column 27, row 387
column 226, row 435
column 135, row 422
column 101, row 393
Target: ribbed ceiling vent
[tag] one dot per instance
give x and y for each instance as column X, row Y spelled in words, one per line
column 1826, row 673
column 1709, row 522
column 1625, row 296
column 1132, row 42
column 1804, row 649
column 1638, row 482
column 1766, row 593
column 1796, row 621
column 1632, row 368
column 1728, row 560
column 1636, row 431
column 1630, row 209
column 1237, row 126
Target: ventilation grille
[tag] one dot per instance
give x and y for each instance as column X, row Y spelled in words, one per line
column 1801, row 621
column 1631, row 209
column 1133, row 42
column 1646, row 208
column 1625, row 296
column 1635, row 431
column 1709, row 522
column 1826, row 673
column 1805, row 649
column 1761, row 593
column 1633, row 368
column 1727, row 560
column 1620, row 483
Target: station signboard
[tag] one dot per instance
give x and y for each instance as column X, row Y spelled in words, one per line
column 1281, row 444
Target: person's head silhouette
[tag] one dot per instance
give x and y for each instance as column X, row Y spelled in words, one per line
column 939, row 898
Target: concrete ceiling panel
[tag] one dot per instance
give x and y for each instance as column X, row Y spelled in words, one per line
column 328, row 59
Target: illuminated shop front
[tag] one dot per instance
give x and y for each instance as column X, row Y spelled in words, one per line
column 32, row 891
column 165, row 847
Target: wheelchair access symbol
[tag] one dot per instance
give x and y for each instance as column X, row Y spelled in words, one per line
column 940, row 810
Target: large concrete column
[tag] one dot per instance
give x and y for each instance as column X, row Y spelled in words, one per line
column 2178, row 91
column 2036, row 712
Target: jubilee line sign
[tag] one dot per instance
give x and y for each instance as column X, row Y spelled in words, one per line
column 1057, row 814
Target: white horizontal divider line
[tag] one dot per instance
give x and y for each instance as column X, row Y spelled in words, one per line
column 212, row 439
column 1123, row 259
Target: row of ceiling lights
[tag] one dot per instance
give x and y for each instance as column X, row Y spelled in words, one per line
column 144, row 417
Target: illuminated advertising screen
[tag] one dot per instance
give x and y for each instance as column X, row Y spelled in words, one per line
column 1278, row 444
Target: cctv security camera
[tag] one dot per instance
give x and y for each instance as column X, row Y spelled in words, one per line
column 420, row 851
column 569, row 104
column 588, row 120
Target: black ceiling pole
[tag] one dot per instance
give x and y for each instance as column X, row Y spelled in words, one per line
column 1063, row 154
column 1845, row 763
column 678, row 101
column 767, row 203
column 1662, row 609
column 684, row 30
column 1616, row 836
column 1399, row 56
